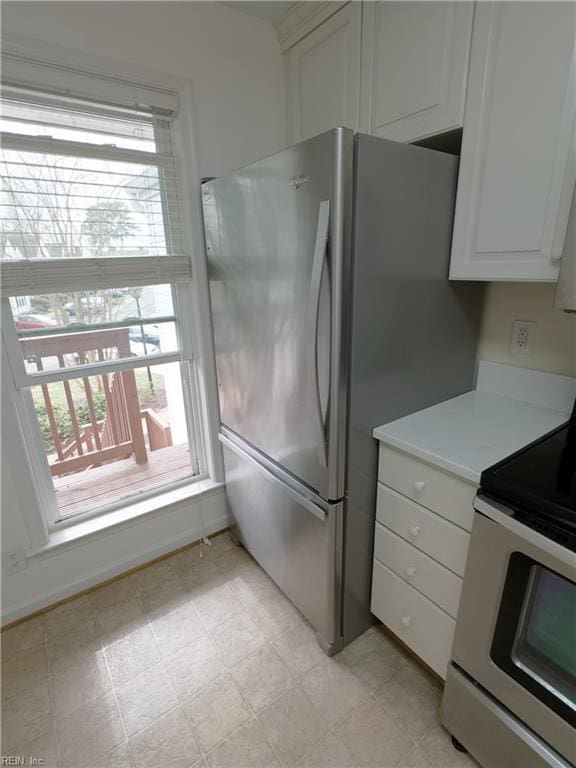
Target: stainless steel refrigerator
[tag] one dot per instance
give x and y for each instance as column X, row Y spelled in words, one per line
column 332, row 314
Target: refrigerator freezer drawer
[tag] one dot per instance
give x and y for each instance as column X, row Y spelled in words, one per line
column 294, row 536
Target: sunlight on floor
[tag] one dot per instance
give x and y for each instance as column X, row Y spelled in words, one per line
column 198, row 660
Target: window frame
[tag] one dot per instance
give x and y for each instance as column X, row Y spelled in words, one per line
column 89, row 77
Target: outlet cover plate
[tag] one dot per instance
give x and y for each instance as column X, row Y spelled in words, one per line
column 14, row 560
column 523, row 332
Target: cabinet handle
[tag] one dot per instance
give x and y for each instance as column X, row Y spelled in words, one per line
column 406, row 620
column 411, row 570
column 414, row 530
column 419, row 486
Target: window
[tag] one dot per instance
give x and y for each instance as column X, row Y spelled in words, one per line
column 97, row 299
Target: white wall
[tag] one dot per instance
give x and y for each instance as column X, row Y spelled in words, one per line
column 233, row 59
column 554, row 347
column 72, row 568
column 235, row 64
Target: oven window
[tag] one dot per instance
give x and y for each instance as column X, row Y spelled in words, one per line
column 534, row 639
column 545, row 643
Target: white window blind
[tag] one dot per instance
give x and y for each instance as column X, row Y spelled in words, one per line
column 22, row 278
column 88, row 190
column 94, row 234
column 56, row 71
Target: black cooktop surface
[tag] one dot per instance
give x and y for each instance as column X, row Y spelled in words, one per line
column 540, row 479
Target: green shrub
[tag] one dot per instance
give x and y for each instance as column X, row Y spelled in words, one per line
column 63, row 420
column 83, row 414
column 63, row 424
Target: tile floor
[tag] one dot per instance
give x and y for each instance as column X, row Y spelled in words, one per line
column 202, row 661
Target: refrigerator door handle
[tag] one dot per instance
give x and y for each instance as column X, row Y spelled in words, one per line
column 299, row 498
column 318, row 264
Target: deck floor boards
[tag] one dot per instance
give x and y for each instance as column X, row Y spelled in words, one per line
column 75, row 493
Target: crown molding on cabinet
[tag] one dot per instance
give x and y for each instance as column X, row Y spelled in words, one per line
column 303, row 17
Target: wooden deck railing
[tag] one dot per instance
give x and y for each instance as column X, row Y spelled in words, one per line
column 120, row 433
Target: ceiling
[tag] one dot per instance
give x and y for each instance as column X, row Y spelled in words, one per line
column 269, row 10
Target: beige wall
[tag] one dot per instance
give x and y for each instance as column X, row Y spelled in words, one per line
column 555, row 339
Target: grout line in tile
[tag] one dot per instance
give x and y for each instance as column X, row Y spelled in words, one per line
column 421, row 739
column 330, row 732
column 414, row 741
column 53, row 703
column 398, row 723
column 253, row 718
column 371, row 695
column 275, row 699
column 112, row 689
column 427, row 731
column 222, row 740
column 253, row 714
column 296, row 684
column 229, row 735
column 51, row 675
column 267, row 740
column 269, row 642
column 176, row 706
column 193, row 727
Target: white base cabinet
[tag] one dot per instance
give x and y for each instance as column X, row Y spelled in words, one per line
column 418, row 569
column 414, row 67
column 420, row 553
column 518, row 161
column 420, row 624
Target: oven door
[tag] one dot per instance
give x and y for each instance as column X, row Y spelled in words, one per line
column 516, row 628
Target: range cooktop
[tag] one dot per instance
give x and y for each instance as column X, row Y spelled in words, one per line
column 539, row 483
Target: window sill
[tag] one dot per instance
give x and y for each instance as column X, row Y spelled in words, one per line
column 70, row 533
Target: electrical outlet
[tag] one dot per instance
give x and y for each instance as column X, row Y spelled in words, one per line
column 14, row 560
column 522, row 337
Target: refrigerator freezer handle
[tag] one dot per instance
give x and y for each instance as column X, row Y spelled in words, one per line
column 302, row 500
column 318, row 265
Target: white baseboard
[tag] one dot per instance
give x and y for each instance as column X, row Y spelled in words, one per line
column 71, row 571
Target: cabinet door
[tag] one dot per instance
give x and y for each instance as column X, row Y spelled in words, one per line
column 517, row 167
column 323, row 76
column 414, row 67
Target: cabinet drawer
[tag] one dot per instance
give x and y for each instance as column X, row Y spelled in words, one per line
column 428, row 532
column 442, row 493
column 417, row 569
column 424, row 627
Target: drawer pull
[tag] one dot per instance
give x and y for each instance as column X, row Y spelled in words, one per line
column 419, row 486
column 411, row 570
column 406, row 620
column 414, row 530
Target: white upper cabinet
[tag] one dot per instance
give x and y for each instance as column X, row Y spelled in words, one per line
column 414, row 67
column 323, row 76
column 518, row 164
column 505, row 71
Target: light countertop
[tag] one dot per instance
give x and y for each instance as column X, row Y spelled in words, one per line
column 469, row 433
